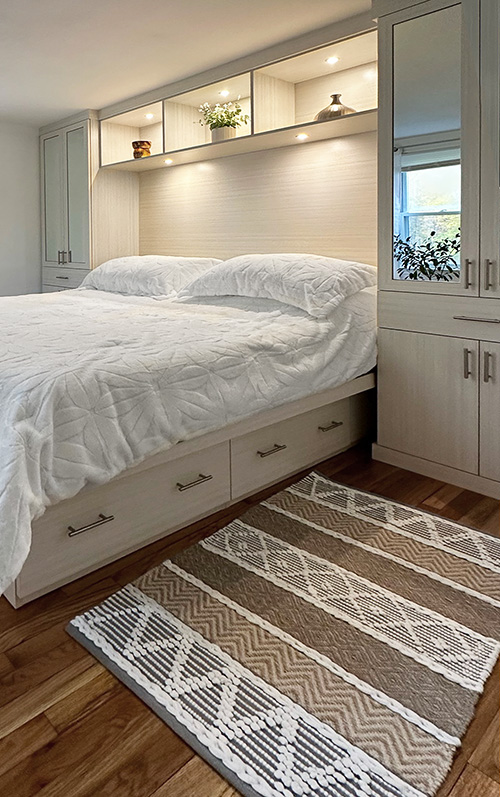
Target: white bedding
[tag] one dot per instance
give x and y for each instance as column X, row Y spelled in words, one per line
column 92, row 383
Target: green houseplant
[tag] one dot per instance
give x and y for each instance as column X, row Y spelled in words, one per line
column 432, row 259
column 223, row 119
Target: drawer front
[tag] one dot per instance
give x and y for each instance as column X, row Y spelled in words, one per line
column 270, row 454
column 142, row 507
column 471, row 317
column 52, row 289
column 64, row 277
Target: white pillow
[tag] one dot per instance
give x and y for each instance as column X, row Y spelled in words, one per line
column 313, row 283
column 147, row 275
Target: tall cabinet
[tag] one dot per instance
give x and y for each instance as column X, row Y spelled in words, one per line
column 87, row 216
column 439, row 240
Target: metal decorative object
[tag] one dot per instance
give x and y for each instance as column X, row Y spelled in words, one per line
column 142, row 149
column 336, row 108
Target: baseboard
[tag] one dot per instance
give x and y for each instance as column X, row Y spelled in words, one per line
column 468, row 481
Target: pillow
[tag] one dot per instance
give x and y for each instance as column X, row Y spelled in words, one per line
column 147, row 275
column 313, row 283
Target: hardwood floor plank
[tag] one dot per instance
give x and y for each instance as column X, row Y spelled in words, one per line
column 82, row 701
column 26, row 706
column 474, row 783
column 25, row 741
column 486, row 756
column 194, row 778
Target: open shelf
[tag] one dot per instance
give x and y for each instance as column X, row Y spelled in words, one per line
column 118, row 133
column 349, row 125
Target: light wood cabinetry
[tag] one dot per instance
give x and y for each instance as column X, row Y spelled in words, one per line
column 439, row 342
column 285, row 95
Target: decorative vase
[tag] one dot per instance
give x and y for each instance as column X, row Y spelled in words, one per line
column 222, row 133
column 336, row 108
column 142, row 149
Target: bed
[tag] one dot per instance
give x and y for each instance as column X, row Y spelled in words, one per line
column 126, row 417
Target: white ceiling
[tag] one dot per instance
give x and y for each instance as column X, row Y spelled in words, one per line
column 58, row 57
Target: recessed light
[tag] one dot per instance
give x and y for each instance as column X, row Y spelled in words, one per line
column 168, row 161
column 150, row 116
column 224, row 93
column 333, row 59
column 302, row 136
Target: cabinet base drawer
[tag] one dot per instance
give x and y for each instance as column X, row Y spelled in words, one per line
column 63, row 277
column 107, row 522
column 274, row 452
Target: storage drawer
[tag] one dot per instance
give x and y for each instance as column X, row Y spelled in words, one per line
column 269, row 454
column 63, row 276
column 140, row 509
column 53, row 289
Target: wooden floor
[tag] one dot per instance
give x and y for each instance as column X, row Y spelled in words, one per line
column 69, row 728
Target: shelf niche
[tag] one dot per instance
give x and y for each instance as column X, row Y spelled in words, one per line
column 182, row 116
column 118, row 133
column 291, row 92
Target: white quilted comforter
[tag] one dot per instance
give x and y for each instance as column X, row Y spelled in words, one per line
column 91, row 383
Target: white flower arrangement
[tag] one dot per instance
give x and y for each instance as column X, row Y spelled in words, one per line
column 230, row 114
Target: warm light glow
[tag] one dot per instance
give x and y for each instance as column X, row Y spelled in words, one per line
column 169, row 161
column 371, row 74
column 224, row 93
column 150, row 116
column 333, row 59
column 335, row 107
column 302, row 136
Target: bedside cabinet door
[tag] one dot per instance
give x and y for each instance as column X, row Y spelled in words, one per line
column 428, row 397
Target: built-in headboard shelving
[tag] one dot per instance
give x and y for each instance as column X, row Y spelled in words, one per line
column 280, row 101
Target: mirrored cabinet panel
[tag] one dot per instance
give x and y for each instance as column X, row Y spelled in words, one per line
column 319, row 85
column 427, row 148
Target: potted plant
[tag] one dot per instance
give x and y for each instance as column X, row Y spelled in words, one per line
column 223, row 119
column 432, row 259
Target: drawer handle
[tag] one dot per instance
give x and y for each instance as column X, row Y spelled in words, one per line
column 472, row 318
column 333, row 425
column 58, row 277
column 200, row 480
column 273, row 450
column 72, row 532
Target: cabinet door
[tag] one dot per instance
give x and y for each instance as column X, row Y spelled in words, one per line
column 490, row 147
column 429, row 148
column 489, row 449
column 52, row 198
column 77, row 196
column 428, row 397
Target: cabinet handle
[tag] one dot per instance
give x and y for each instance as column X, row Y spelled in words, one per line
column 467, row 369
column 70, row 256
column 273, row 450
column 473, row 318
column 487, row 274
column 59, row 253
column 200, row 480
column 487, row 375
column 72, row 532
column 60, row 277
column 467, row 279
column 333, row 425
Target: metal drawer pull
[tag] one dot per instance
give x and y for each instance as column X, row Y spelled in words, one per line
column 273, row 450
column 472, row 318
column 200, row 480
column 58, row 277
column 467, row 370
column 72, row 532
column 467, row 280
column 333, row 425
column 487, row 375
column 487, row 274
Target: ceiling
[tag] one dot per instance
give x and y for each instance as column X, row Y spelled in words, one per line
column 58, row 57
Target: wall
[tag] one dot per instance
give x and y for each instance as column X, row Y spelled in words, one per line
column 315, row 197
column 19, row 210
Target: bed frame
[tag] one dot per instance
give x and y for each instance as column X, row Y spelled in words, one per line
column 188, row 482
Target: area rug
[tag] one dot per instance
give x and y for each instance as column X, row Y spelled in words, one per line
column 328, row 643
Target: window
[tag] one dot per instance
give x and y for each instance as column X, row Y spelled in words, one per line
column 430, row 202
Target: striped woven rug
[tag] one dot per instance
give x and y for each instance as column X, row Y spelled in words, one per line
column 328, row 643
